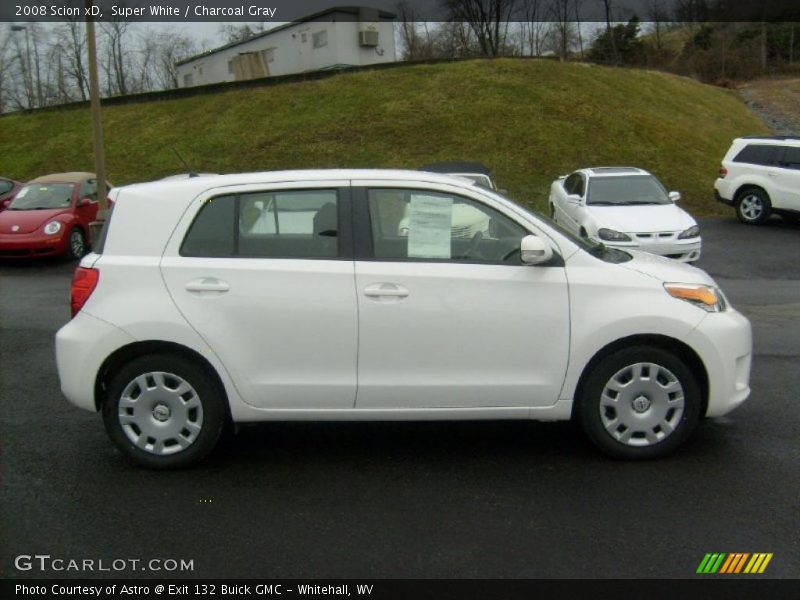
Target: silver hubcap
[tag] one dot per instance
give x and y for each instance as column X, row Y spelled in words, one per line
column 751, row 207
column 642, row 404
column 76, row 243
column 160, row 413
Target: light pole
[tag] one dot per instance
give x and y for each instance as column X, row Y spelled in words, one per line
column 28, row 78
column 97, row 126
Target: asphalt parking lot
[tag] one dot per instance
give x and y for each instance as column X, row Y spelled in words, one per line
column 466, row 500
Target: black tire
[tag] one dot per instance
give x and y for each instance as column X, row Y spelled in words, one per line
column 594, row 417
column 753, row 206
column 76, row 244
column 213, row 414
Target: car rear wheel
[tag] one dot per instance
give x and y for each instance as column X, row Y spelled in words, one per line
column 639, row 403
column 76, row 244
column 753, row 206
column 163, row 412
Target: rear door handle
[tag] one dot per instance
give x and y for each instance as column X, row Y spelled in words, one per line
column 207, row 284
column 385, row 290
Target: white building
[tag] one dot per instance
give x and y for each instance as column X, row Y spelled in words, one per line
column 337, row 37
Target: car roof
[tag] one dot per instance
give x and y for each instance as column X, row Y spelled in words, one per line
column 792, row 140
column 196, row 185
column 457, row 167
column 613, row 171
column 71, row 177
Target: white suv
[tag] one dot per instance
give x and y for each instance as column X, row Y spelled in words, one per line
column 760, row 176
column 293, row 295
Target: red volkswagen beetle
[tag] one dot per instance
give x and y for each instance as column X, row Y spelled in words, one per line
column 50, row 216
column 8, row 187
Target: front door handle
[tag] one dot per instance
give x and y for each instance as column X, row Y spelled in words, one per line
column 385, row 290
column 207, row 284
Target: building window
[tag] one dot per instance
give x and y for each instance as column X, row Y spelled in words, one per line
column 304, row 37
column 187, row 80
column 230, row 67
column 320, row 39
column 268, row 55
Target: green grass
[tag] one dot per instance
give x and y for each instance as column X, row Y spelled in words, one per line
column 528, row 120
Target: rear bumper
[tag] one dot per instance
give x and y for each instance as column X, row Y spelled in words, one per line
column 719, row 198
column 724, row 343
column 32, row 245
column 82, row 345
column 722, row 193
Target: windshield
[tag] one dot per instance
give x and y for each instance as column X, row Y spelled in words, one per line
column 633, row 189
column 38, row 196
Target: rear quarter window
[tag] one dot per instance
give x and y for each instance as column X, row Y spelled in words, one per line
column 757, row 154
column 212, row 232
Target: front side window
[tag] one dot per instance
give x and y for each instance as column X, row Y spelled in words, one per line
column 756, row 154
column 626, row 190
column 88, row 190
column 284, row 224
column 423, row 225
column 41, row 196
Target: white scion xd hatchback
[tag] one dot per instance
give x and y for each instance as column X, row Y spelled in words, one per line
column 293, row 295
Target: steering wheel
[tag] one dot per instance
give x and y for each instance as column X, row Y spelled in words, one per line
column 473, row 244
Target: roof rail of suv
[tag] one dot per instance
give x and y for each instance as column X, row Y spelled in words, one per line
column 770, row 137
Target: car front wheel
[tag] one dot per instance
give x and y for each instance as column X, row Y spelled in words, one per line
column 753, row 206
column 639, row 403
column 163, row 412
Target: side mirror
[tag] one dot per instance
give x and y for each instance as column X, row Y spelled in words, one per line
column 674, row 196
column 534, row 250
column 574, row 199
column 84, row 202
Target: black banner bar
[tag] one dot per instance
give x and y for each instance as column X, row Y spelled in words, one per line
column 707, row 587
column 282, row 11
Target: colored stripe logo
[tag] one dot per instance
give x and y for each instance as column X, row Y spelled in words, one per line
column 734, row 563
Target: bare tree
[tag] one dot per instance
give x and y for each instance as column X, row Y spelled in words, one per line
column 488, row 20
column 117, row 62
column 562, row 27
column 608, row 8
column 533, row 27
column 657, row 14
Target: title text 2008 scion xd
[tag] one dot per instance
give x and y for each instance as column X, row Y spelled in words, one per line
column 299, row 295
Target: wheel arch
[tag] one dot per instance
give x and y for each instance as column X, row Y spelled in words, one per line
column 684, row 352
column 749, row 186
column 126, row 353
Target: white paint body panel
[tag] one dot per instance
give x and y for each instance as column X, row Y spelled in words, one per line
column 296, row 339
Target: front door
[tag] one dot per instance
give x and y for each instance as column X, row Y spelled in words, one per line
column 448, row 314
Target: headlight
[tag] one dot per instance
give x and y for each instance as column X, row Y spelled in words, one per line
column 609, row 235
column 52, row 228
column 692, row 232
column 705, row 296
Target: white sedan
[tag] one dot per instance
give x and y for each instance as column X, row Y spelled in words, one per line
column 625, row 207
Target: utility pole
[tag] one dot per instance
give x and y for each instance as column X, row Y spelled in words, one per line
column 97, row 126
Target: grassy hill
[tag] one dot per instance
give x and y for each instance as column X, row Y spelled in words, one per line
column 528, row 120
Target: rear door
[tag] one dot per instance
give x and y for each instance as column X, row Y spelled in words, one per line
column 449, row 316
column 265, row 275
column 787, row 179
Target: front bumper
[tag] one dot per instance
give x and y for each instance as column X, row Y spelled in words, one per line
column 724, row 342
column 681, row 250
column 32, row 245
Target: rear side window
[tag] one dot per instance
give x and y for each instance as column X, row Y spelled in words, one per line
column 212, row 233
column 757, row 154
column 285, row 224
column 791, row 158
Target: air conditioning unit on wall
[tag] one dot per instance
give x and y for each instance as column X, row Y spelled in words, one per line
column 368, row 37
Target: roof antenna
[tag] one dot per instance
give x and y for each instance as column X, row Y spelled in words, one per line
column 192, row 172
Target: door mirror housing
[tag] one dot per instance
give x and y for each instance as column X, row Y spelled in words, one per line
column 574, row 199
column 674, row 196
column 534, row 250
column 84, row 202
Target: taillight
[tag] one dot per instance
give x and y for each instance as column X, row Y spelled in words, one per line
column 83, row 283
column 723, row 171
